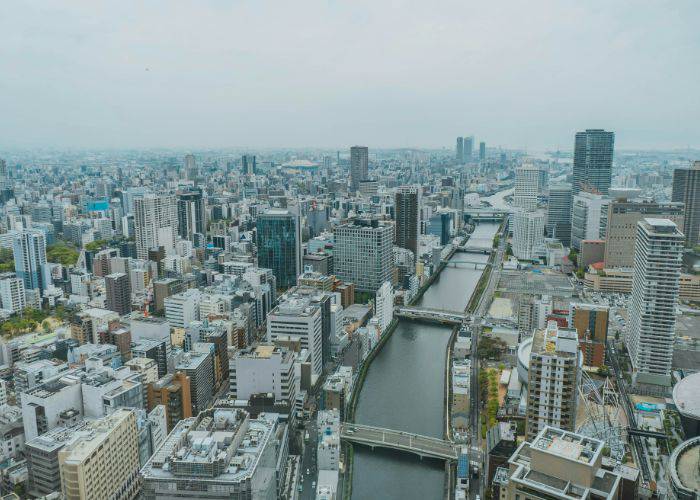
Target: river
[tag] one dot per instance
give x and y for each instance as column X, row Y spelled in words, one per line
column 404, row 390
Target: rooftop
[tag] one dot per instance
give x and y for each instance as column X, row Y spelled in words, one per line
column 686, row 396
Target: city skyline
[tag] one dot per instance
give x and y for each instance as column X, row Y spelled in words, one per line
column 214, row 75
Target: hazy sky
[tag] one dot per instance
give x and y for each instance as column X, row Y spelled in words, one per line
column 229, row 73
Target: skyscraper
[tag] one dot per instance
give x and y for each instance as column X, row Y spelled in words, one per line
column 191, row 216
column 460, row 150
column 528, row 232
column 359, row 159
column 552, row 380
column 559, row 212
column 482, row 151
column 29, row 251
column 248, row 165
column 686, row 189
column 155, row 223
column 191, row 168
column 362, row 253
column 468, row 148
column 278, row 238
column 407, row 201
column 118, row 293
column 652, row 311
column 593, row 156
column 589, row 218
column 621, row 227
column 526, row 187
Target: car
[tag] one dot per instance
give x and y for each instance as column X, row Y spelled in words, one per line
column 301, row 487
column 313, row 485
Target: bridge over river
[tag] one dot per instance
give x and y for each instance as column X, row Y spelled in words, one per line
column 379, row 437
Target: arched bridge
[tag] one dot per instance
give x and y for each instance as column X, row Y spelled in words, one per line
column 443, row 316
column 417, row 444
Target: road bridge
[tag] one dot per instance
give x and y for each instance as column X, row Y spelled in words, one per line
column 468, row 263
column 472, row 249
column 442, row 316
column 417, row 444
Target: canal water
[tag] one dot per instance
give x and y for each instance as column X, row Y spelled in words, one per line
column 404, row 390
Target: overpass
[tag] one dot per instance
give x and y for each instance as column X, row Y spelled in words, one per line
column 377, row 437
column 442, row 316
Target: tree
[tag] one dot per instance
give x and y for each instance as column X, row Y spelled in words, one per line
column 62, row 254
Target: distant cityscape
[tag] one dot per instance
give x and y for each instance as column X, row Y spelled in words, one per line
column 262, row 324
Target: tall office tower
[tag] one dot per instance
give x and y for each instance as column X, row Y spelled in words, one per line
column 591, row 324
column 589, row 218
column 29, row 252
column 560, row 464
column 248, row 165
column 686, row 189
column 407, row 204
column 652, row 313
column 468, row 148
column 359, row 160
column 278, row 238
column 155, row 223
column 362, row 254
column 298, row 317
column 482, row 151
column 553, row 378
column 528, row 232
column 621, row 228
column 593, row 156
column 460, row 150
column 102, row 460
column 191, row 216
column 190, row 167
column 118, row 293
column 526, row 187
column 559, row 212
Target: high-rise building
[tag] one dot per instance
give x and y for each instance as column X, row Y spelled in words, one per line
column 359, row 161
column 482, row 151
column 12, row 296
column 191, row 216
column 526, row 187
column 468, row 148
column 199, row 368
column 621, row 228
column 591, row 324
column 407, row 204
column 298, row 317
column 460, row 150
column 362, row 253
column 589, row 218
column 191, row 171
column 278, row 240
column 29, row 251
column 118, row 293
column 173, row 392
column 593, row 157
column 155, row 223
column 528, row 232
column 263, row 369
column 559, row 212
column 102, row 461
column 555, row 463
column 248, row 166
column 553, row 378
column 686, row 189
column 652, row 312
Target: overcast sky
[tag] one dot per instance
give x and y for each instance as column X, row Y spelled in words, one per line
column 229, row 73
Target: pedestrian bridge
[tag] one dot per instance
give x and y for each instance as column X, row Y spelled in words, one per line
column 442, row 316
column 422, row 446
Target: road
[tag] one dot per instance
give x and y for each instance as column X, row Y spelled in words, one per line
column 308, row 461
column 476, row 485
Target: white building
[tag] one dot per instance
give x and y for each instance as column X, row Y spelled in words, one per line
column 528, row 232
column 328, row 448
column 589, row 218
column 297, row 317
column 384, row 305
column 526, row 187
column 182, row 308
column 42, row 406
column 155, row 223
column 652, row 311
column 263, row 369
column 12, row 297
